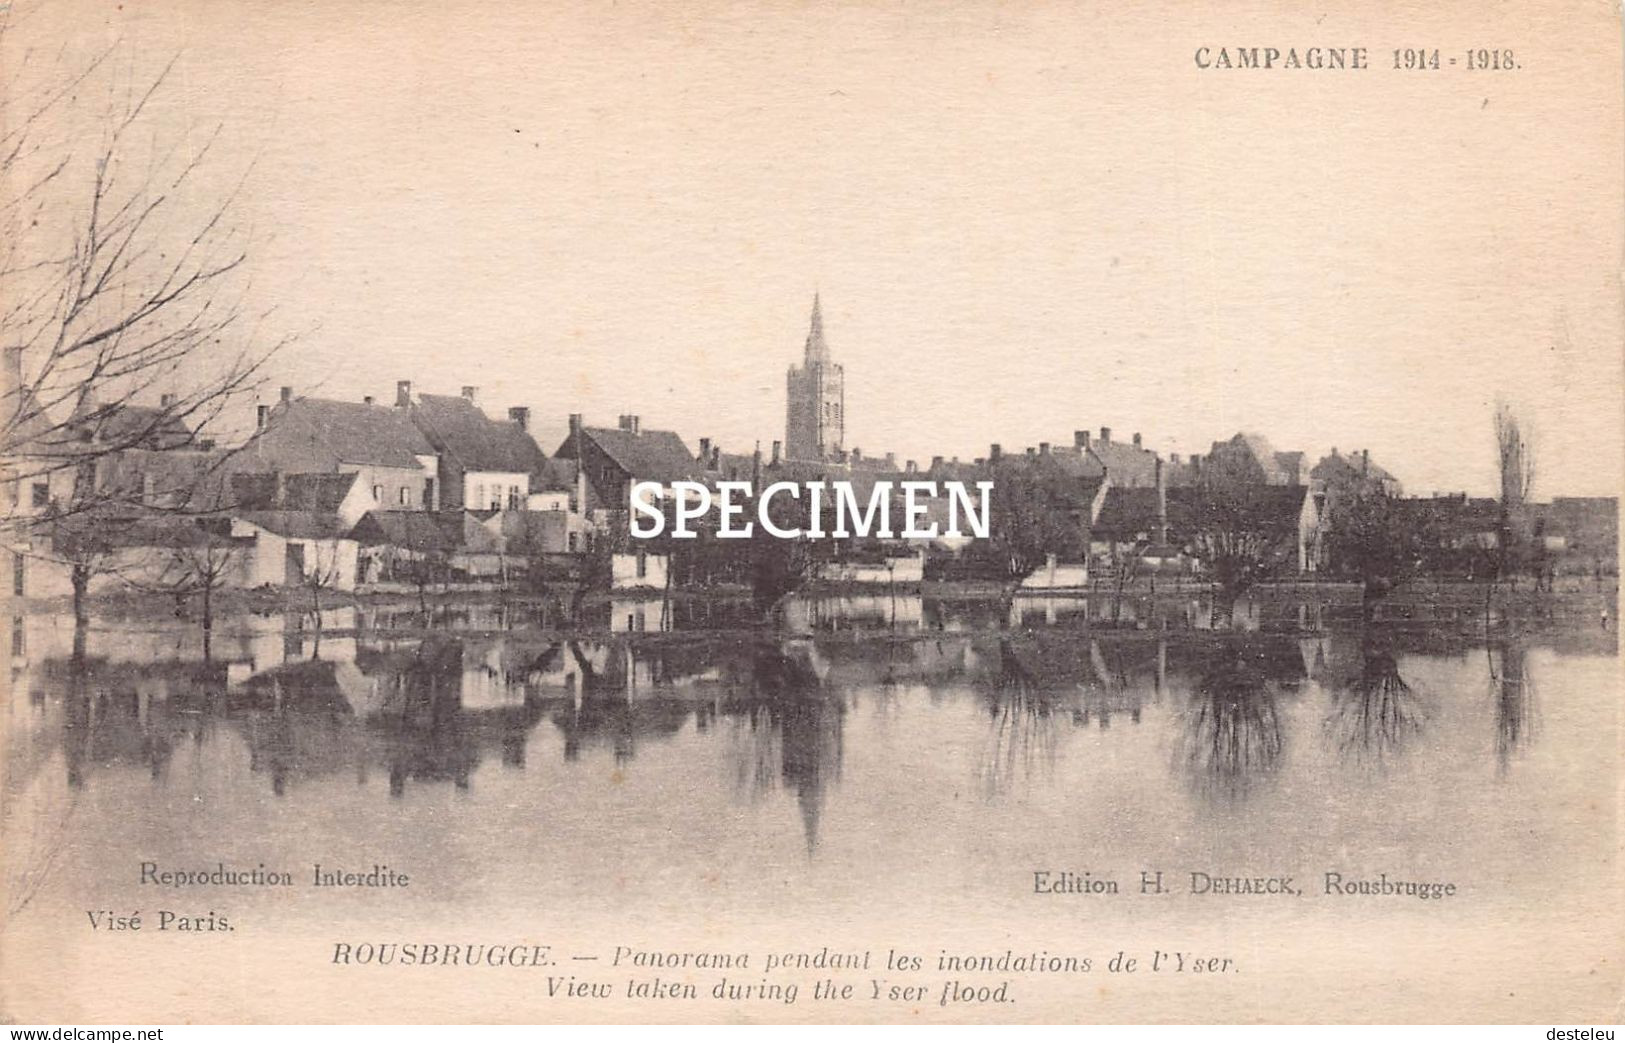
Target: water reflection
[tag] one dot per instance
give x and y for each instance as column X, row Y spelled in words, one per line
column 1512, row 690
column 1232, row 736
column 1377, row 714
column 769, row 725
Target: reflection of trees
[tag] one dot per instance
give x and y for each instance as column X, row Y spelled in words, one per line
column 1512, row 688
column 1373, row 718
column 1232, row 734
column 1022, row 713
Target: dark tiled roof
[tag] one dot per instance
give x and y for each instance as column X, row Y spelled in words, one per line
column 350, row 432
column 145, row 427
column 300, row 492
column 1261, row 508
column 461, row 429
column 1257, row 508
column 1336, row 467
column 658, row 456
column 414, row 530
column 1126, row 464
column 176, row 478
column 1128, row 511
column 306, row 525
column 556, row 474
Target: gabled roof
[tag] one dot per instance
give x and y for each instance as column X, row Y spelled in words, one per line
column 1127, row 511
column 459, row 428
column 414, row 530
column 144, row 427
column 323, row 492
column 1271, row 509
column 305, row 525
column 1126, row 463
column 1335, row 466
column 196, row 480
column 658, row 456
column 1261, row 508
column 348, row 432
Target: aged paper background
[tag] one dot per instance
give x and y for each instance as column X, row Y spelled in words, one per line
column 1022, row 218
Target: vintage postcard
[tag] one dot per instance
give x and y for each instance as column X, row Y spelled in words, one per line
column 773, row 511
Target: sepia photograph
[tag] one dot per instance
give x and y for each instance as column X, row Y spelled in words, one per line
column 770, row 512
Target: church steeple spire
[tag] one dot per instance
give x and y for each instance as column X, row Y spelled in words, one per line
column 817, row 350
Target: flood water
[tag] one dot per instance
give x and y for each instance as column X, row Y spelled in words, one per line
column 889, row 753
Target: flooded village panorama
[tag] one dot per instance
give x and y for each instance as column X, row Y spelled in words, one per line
column 375, row 604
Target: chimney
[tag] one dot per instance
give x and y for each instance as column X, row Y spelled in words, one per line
column 470, row 392
column 777, row 448
column 1162, row 503
column 1365, row 462
column 1137, row 440
column 261, row 414
column 629, row 423
column 891, row 461
column 994, row 453
column 1175, row 458
column 705, row 452
column 1106, row 435
column 1031, row 453
column 936, row 463
column 1043, row 448
column 403, row 393
column 857, row 455
column 716, row 458
column 575, row 422
column 166, row 401
column 366, row 400
column 287, row 394
column 910, row 467
column 1080, row 440
column 756, row 467
column 520, row 415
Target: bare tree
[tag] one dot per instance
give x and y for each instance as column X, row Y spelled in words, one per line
column 321, row 570
column 117, row 288
column 202, row 565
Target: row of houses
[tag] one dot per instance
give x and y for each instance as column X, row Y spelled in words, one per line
column 358, row 494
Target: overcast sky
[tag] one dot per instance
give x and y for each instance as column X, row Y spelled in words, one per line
column 1024, row 219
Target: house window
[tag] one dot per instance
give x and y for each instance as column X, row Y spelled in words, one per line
column 479, row 494
column 377, row 494
column 513, row 498
column 42, row 494
column 18, row 579
column 571, row 542
column 406, row 496
column 643, row 564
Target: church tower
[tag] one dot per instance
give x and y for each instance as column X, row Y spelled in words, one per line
column 815, row 415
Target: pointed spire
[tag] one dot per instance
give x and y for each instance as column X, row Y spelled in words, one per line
column 817, row 350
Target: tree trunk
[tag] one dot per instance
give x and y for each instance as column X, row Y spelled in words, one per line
column 208, row 619
column 81, row 590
